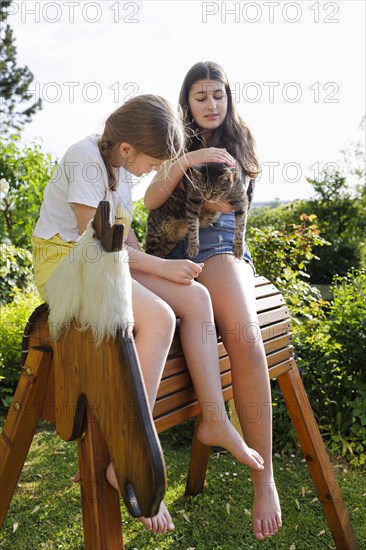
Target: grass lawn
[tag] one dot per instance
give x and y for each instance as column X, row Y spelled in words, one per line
column 45, row 512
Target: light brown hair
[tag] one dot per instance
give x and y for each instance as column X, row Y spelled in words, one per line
column 149, row 124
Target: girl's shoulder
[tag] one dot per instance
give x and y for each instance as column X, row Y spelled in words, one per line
column 86, row 148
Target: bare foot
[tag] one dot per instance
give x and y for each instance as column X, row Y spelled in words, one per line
column 76, row 477
column 223, row 434
column 161, row 523
column 266, row 512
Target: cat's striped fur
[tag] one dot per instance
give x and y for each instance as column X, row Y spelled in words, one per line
column 183, row 213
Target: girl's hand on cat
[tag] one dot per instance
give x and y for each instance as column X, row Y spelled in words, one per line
column 181, row 271
column 210, row 154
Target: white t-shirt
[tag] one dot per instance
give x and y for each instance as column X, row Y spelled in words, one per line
column 81, row 177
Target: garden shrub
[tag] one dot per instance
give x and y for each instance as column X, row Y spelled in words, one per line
column 341, row 218
column 332, row 355
column 283, row 255
column 24, row 174
column 16, row 271
column 14, row 317
column 139, row 221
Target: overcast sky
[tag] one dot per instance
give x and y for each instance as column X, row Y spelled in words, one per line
column 297, row 71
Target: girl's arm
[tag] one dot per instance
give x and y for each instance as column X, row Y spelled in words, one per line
column 83, row 215
column 170, row 174
column 179, row 271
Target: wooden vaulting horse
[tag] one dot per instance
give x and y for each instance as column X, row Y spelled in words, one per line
column 96, row 394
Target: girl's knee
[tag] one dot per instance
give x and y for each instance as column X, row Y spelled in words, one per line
column 165, row 317
column 158, row 318
column 199, row 296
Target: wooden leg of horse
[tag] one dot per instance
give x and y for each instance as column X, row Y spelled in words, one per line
column 21, row 423
column 198, row 464
column 100, row 502
column 317, row 459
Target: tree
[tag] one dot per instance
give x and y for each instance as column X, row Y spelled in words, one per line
column 341, row 223
column 341, row 218
column 24, row 173
column 14, row 81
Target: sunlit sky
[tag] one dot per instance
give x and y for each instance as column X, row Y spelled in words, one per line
column 297, row 70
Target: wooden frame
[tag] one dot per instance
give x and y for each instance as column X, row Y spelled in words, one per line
column 176, row 402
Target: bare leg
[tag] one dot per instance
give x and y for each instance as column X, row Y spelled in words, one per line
column 192, row 304
column 231, row 286
column 154, row 325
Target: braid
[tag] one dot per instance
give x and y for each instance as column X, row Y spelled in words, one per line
column 105, row 147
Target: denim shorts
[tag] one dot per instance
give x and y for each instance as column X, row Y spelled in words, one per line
column 215, row 239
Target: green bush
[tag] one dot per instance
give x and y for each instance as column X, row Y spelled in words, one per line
column 341, row 219
column 24, row 173
column 332, row 357
column 139, row 221
column 283, row 256
column 16, row 272
column 329, row 338
column 14, row 317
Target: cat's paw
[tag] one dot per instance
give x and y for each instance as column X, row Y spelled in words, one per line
column 192, row 251
column 238, row 251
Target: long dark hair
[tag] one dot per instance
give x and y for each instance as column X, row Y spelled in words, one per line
column 233, row 134
column 148, row 123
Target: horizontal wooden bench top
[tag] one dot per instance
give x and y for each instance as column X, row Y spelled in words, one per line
column 177, row 400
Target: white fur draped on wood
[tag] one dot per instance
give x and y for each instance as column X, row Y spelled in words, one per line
column 93, row 288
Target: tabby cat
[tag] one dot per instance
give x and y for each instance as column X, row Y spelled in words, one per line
column 183, row 213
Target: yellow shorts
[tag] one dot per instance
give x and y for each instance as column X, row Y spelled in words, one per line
column 47, row 254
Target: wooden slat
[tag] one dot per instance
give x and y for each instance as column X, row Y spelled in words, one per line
column 174, row 401
column 225, row 364
column 276, row 329
column 174, row 394
column 273, row 316
column 182, row 396
column 260, row 280
column 190, row 410
column 277, row 343
column 177, row 364
column 174, row 366
column 173, row 383
column 281, row 368
column 176, row 347
column 265, row 290
column 283, row 340
column 279, row 356
column 270, row 302
column 177, row 417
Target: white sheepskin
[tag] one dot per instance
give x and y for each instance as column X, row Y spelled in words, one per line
column 92, row 287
